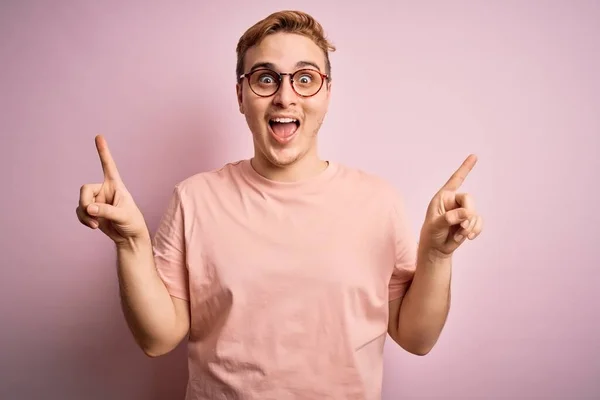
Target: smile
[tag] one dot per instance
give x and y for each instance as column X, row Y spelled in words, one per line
column 283, row 129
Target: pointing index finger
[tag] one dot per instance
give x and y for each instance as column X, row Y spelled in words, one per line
column 459, row 176
column 108, row 164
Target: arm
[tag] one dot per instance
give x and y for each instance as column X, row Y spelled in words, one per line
column 416, row 320
column 157, row 320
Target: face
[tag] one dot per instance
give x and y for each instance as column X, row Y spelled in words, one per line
column 276, row 142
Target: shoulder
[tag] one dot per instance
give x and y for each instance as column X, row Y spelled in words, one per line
column 360, row 181
column 374, row 198
column 218, row 178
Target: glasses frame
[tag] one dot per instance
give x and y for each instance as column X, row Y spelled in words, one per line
column 247, row 75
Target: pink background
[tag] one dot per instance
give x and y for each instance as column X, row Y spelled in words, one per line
column 417, row 87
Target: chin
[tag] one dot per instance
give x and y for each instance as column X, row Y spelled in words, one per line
column 282, row 152
column 282, row 157
column 275, row 152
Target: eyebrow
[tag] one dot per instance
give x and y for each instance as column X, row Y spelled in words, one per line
column 299, row 64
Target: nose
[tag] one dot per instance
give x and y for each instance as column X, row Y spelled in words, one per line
column 285, row 95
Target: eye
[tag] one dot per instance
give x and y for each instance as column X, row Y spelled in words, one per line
column 305, row 79
column 266, row 79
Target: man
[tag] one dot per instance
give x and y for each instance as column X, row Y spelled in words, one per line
column 285, row 271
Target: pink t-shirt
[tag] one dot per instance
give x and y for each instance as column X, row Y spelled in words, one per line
column 288, row 283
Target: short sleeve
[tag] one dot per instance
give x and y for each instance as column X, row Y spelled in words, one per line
column 168, row 246
column 405, row 251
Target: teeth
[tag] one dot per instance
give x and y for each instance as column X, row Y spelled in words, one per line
column 284, row 120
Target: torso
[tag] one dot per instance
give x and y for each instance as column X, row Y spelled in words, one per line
column 288, row 284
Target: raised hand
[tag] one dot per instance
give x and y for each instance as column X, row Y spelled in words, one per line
column 451, row 217
column 108, row 206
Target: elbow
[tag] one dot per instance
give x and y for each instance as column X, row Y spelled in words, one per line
column 157, row 346
column 155, row 350
column 153, row 353
column 414, row 346
column 418, row 351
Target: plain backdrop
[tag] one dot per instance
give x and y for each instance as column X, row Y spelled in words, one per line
column 417, row 86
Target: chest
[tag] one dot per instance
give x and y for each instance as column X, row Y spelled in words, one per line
column 264, row 246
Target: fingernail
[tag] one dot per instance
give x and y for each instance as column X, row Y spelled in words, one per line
column 465, row 224
column 94, row 224
column 458, row 238
column 471, row 235
column 93, row 209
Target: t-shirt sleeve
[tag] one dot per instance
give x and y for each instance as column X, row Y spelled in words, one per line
column 168, row 245
column 405, row 247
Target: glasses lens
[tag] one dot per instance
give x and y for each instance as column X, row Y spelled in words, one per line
column 307, row 82
column 264, row 82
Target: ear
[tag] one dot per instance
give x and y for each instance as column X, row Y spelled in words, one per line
column 328, row 89
column 238, row 90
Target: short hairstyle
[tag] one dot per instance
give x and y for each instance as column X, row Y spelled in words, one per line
column 287, row 21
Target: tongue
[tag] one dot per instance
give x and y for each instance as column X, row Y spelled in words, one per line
column 284, row 130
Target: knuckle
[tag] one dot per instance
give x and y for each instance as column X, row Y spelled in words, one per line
column 473, row 223
column 85, row 192
column 105, row 212
column 467, row 200
column 448, row 217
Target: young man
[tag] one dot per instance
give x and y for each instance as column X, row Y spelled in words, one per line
column 285, row 271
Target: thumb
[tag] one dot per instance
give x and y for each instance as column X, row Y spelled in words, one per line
column 455, row 217
column 106, row 211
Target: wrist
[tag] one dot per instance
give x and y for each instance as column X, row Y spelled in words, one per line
column 134, row 244
column 432, row 256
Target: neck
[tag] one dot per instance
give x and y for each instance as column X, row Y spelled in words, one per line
column 306, row 167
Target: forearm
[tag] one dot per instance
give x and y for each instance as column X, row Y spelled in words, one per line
column 425, row 306
column 146, row 303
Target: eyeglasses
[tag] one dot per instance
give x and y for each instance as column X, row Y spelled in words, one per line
column 265, row 82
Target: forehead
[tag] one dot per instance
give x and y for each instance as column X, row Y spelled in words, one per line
column 285, row 51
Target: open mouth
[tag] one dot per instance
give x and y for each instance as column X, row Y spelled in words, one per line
column 284, row 128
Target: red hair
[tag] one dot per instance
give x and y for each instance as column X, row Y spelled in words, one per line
column 284, row 21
